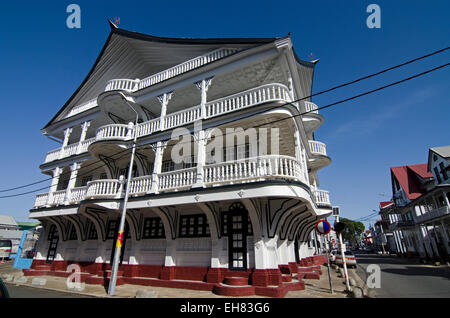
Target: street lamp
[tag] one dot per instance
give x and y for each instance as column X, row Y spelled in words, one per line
column 115, row 267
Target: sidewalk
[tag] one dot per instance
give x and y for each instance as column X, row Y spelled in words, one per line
column 313, row 288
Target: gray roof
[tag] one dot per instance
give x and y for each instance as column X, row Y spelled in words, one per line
column 443, row 151
column 7, row 220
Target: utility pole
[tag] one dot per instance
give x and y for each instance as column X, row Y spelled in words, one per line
column 336, row 213
column 112, row 283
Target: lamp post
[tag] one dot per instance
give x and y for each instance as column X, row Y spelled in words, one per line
column 115, row 267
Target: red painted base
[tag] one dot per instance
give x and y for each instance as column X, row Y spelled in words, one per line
column 265, row 282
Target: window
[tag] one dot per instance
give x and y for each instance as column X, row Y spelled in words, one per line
column 111, row 231
column 194, row 226
column 436, row 172
column 51, row 232
column 168, row 165
column 444, row 173
column 224, row 224
column 236, row 152
column 85, row 180
column 153, row 228
column 103, row 176
column 72, row 233
column 64, row 184
column 92, row 232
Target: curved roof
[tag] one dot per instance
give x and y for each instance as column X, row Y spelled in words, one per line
column 148, row 49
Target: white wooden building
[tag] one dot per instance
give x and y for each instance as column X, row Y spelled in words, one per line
column 244, row 210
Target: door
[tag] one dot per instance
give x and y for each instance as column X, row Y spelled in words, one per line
column 53, row 238
column 124, row 241
column 237, row 238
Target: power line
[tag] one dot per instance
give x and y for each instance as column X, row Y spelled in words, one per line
column 307, row 97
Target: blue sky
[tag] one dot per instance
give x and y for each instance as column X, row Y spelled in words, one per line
column 43, row 62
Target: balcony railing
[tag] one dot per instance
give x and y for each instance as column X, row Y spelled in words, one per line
column 311, row 108
column 253, row 169
column 82, row 107
column 433, row 214
column 262, row 94
column 239, row 171
column 68, row 150
column 318, row 148
column 124, row 84
column 322, row 197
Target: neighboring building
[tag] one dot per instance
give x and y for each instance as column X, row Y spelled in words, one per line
column 241, row 210
column 420, row 216
column 10, row 230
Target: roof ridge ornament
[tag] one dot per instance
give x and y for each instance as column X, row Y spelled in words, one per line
column 113, row 25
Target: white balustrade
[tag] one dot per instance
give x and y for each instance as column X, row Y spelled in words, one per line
column 41, row 200
column 262, row 94
column 182, row 117
column 77, row 194
column 123, row 84
column 186, row 67
column 177, row 179
column 311, row 107
column 251, row 169
column 69, row 150
column 58, row 197
column 114, row 131
column 322, row 197
column 141, row 185
column 53, row 155
column 85, row 144
column 105, row 188
column 433, row 214
column 318, row 148
column 148, row 127
column 82, row 107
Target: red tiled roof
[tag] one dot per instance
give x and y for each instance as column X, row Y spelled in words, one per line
column 421, row 170
column 405, row 175
column 384, row 204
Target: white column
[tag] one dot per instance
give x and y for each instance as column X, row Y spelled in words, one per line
column 200, row 138
column 84, row 129
column 164, row 100
column 445, row 236
column 158, row 148
column 432, row 242
column 67, row 133
column 54, row 185
column 72, row 181
column 203, row 85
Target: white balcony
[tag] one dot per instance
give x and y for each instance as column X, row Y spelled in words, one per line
column 130, row 85
column 82, row 107
column 69, row 150
column 263, row 94
column 322, row 197
column 311, row 108
column 269, row 167
column 433, row 215
column 253, row 169
column 318, row 148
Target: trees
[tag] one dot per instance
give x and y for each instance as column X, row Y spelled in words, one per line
column 352, row 230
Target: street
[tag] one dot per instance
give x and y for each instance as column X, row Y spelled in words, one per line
column 401, row 277
column 16, row 291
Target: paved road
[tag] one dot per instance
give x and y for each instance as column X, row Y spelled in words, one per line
column 31, row 292
column 403, row 278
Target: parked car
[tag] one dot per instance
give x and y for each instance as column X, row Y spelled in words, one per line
column 5, row 249
column 350, row 259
